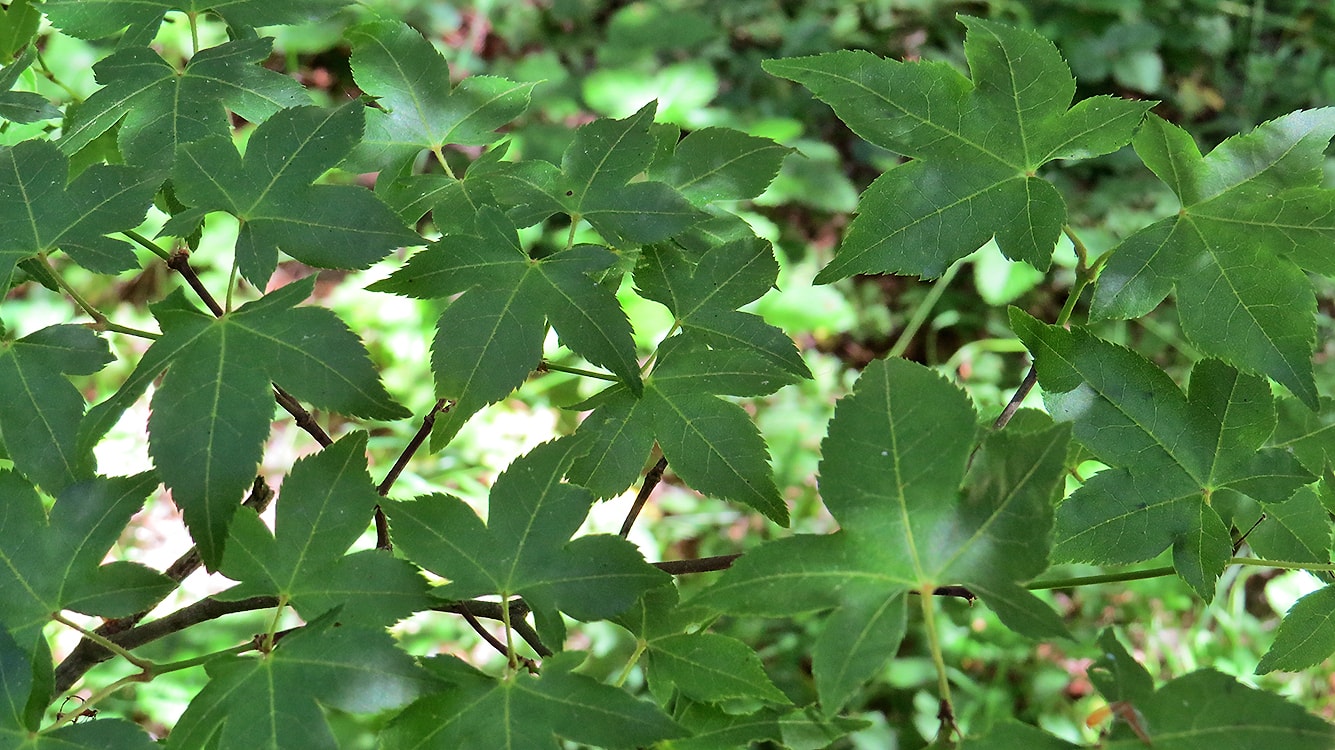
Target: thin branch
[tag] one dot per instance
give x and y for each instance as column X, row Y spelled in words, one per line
column 382, row 540
column 303, row 418
column 698, row 565
column 651, row 480
column 88, row 654
column 1013, row 405
column 180, row 263
column 545, row 366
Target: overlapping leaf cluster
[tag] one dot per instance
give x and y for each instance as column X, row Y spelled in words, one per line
column 515, row 249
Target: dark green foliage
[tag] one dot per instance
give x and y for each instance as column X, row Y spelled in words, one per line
column 544, row 232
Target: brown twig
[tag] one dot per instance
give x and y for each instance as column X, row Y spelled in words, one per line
column 651, row 480
column 88, row 654
column 180, row 263
column 382, row 540
column 1013, row 405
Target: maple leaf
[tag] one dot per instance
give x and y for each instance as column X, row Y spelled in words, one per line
column 50, row 563
column 160, row 108
column 22, row 106
column 217, row 388
column 720, row 164
column 1199, row 710
column 523, row 711
column 43, row 209
column 1169, row 452
column 269, row 190
column 1253, row 217
column 93, row 19
column 893, row 465
column 976, row 146
column 490, row 338
column 419, row 107
column 596, row 183
column 19, row 22
column 709, row 442
column 274, row 701
column 323, row 508
column 525, row 547
column 40, row 409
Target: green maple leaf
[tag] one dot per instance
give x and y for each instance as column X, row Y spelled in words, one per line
column 709, row 442
column 1306, row 636
column 490, row 338
column 976, row 147
column 1169, row 452
column 160, row 108
column 420, row 107
column 270, row 191
column 50, row 563
column 92, row 19
column 523, row 711
column 713, row 728
column 893, row 466
column 525, row 547
column 596, row 182
column 720, row 164
column 42, row 209
column 325, row 505
column 211, row 413
column 40, row 410
column 19, row 22
column 1310, row 435
column 21, row 106
column 274, row 701
column 705, row 667
column 1253, row 217
column 704, row 290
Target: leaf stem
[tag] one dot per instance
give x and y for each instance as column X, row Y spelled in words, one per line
column 102, row 641
column 640, row 646
column 147, row 244
column 924, row 310
column 548, row 366
column 48, row 75
column 574, row 224
column 934, row 642
column 100, row 321
column 440, row 157
column 1126, row 575
column 194, row 32
column 509, row 634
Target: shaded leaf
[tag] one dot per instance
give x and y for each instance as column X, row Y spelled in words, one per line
column 419, row 106
column 211, row 414
column 712, row 668
column 720, row 164
column 976, row 144
column 91, row 19
column 1306, row 636
column 270, row 191
column 43, row 210
column 160, row 108
column 1252, row 219
column 325, row 505
column 274, row 701
column 49, row 563
column 40, row 409
column 20, row 106
column 525, row 548
column 891, row 475
column 1169, row 451
column 526, row 711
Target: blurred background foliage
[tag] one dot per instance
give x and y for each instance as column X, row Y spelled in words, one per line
column 1217, row 67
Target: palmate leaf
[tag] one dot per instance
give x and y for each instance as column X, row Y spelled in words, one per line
column 40, row 409
column 1253, row 217
column 596, row 183
column 709, row 442
column 523, row 711
column 1307, row 635
column 893, row 465
column 273, row 702
column 41, row 209
column 91, row 19
column 976, row 145
column 525, row 548
column 160, row 108
column 490, row 338
column 21, row 106
column 419, row 106
column 212, row 412
column 52, row 563
column 1169, row 452
column 270, row 191
column 324, row 507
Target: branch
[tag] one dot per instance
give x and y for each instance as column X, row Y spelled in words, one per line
column 382, row 540
column 88, row 654
column 651, row 481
